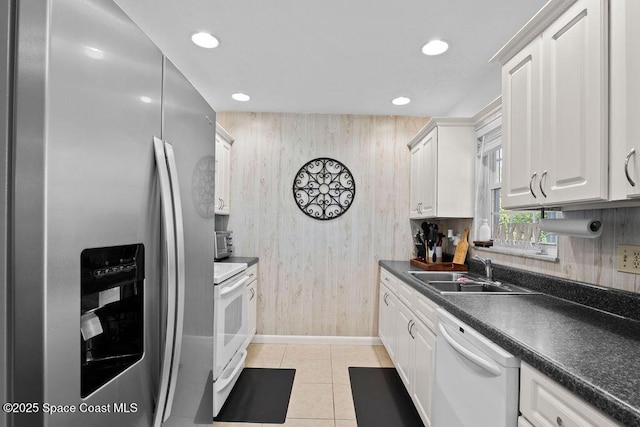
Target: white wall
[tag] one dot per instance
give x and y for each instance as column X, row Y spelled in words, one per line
column 319, row 277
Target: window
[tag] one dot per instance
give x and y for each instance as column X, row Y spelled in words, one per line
column 512, row 232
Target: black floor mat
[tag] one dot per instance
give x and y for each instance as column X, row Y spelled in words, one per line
column 381, row 400
column 259, row 396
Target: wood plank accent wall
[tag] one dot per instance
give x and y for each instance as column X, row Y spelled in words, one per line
column 319, row 277
column 589, row 260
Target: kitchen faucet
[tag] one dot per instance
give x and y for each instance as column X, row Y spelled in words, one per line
column 488, row 268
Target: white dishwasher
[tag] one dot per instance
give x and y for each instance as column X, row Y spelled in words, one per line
column 476, row 382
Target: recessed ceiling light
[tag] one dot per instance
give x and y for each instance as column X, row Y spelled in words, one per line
column 242, row 97
column 401, row 100
column 205, row 40
column 435, row 47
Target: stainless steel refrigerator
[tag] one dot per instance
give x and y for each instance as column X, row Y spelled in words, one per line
column 108, row 195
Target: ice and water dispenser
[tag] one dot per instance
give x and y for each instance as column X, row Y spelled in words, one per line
column 112, row 313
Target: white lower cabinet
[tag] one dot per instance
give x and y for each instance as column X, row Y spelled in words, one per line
column 387, row 321
column 405, row 322
column 403, row 360
column 424, row 346
column 545, row 403
column 252, row 303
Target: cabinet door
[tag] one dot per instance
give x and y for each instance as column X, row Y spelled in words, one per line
column 252, row 308
column 625, row 99
column 387, row 320
column 429, row 182
column 424, row 342
column 416, row 181
column 574, row 160
column 218, row 176
column 222, row 176
column 521, row 115
column 404, row 360
column 226, row 176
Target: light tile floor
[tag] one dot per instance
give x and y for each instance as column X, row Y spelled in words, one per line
column 321, row 395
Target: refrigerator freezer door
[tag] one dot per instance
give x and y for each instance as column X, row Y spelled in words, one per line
column 88, row 101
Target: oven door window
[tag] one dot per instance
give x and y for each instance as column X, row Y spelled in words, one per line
column 233, row 319
column 230, row 323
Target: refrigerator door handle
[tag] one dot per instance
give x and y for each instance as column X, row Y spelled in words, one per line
column 180, row 283
column 170, row 244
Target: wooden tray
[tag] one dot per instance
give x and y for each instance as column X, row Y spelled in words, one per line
column 483, row 243
column 438, row 266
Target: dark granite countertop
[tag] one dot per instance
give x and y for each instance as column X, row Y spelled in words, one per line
column 249, row 260
column 593, row 353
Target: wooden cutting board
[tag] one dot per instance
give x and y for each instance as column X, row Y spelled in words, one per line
column 461, row 249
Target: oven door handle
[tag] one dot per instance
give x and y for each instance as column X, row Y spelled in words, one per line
column 229, row 380
column 471, row 356
column 170, row 247
column 180, row 271
column 227, row 291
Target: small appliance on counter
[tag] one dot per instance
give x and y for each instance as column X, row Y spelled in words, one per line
column 223, row 244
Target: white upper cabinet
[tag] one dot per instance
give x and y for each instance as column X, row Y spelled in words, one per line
column 555, row 107
column 417, row 176
column 521, row 126
column 223, row 170
column 442, row 169
column 625, row 99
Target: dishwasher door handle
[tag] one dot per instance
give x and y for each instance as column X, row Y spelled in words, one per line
column 471, row 356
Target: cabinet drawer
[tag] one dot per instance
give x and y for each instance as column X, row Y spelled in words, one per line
column 406, row 294
column 546, row 403
column 389, row 280
column 425, row 310
column 252, row 273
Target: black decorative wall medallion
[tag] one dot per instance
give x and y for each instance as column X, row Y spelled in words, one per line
column 324, row 188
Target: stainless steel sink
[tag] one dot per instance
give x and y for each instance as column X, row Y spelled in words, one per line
column 439, row 276
column 453, row 283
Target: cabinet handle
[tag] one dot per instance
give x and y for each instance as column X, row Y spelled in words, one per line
column 384, row 298
column 253, row 294
column 540, row 185
column 626, row 167
column 411, row 325
column 559, row 422
column 531, row 185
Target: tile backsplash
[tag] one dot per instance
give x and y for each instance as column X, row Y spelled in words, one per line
column 589, row 260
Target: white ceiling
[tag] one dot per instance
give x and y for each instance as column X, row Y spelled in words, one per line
column 333, row 56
